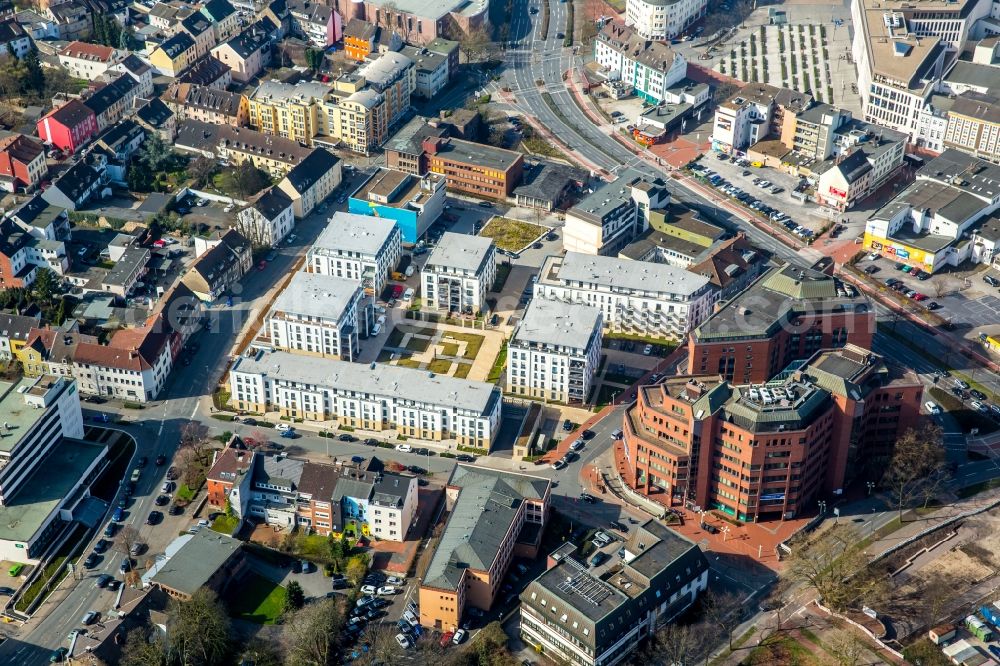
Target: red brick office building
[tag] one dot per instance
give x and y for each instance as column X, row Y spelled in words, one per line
column 766, row 452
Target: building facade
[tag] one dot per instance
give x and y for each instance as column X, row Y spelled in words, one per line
column 376, row 397
column 614, row 214
column 649, row 68
column 639, row 297
column 768, row 451
column 459, row 273
column 555, row 351
column 663, row 19
column 358, row 247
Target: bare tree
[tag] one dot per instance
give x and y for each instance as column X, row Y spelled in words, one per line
column 382, row 645
column 723, row 611
column 847, row 647
column 917, row 468
column 671, row 645
column 199, row 629
column 826, row 563
column 935, row 597
column 127, row 537
column 311, row 634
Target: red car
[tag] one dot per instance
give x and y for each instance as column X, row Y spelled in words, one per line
column 397, row 290
column 919, row 297
column 159, row 243
column 446, row 638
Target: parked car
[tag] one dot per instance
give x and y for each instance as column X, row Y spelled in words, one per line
column 932, row 407
column 369, row 589
column 459, row 636
column 559, row 464
column 404, row 448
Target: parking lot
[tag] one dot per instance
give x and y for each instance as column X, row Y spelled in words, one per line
column 742, row 174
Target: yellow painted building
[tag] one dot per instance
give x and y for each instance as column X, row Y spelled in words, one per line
column 290, row 111
column 174, row 56
column 895, row 250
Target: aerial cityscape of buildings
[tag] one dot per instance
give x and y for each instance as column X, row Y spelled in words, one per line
column 474, row 321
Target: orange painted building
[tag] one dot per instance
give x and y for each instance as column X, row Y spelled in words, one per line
column 360, row 38
column 769, row 451
column 491, row 517
column 787, row 315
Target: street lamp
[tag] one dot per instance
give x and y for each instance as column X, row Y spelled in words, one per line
column 871, row 487
column 822, row 507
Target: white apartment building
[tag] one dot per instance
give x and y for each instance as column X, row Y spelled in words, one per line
column 361, row 247
column 638, row 297
column 663, row 19
column 376, row 397
column 318, row 315
column 459, row 273
column 395, row 77
column 742, row 120
column 392, row 506
column 555, row 351
column 88, row 61
column 267, row 221
column 649, row 67
column 614, row 214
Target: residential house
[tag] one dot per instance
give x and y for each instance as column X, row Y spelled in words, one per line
column 166, row 16
column 555, row 351
column 448, row 48
column 138, row 70
column 208, row 72
column 68, row 127
column 199, row 28
column 208, row 105
column 22, row 163
column 311, row 181
column 224, row 17
column 663, row 21
column 127, row 271
column 14, row 331
column 119, row 144
column 314, row 22
column 14, row 40
column 221, row 267
column 272, row 154
column 156, row 117
column 360, row 39
column 268, row 218
column 175, row 55
column 110, row 102
column 431, row 68
column 88, row 61
column 75, row 186
column 37, row 26
column 394, row 76
column 649, row 68
column 247, row 53
column 41, row 219
column 72, row 19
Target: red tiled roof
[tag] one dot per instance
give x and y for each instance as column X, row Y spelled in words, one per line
column 85, row 51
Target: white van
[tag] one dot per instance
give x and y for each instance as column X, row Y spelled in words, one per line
column 408, row 294
column 376, row 329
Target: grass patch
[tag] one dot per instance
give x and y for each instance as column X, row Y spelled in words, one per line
column 496, row 371
column 472, row 342
column 257, row 600
column 449, row 349
column 539, row 146
column 926, row 653
column 418, row 345
column 408, row 363
column 462, row 370
column 51, row 574
column 225, row 524
column 439, row 366
column 967, row 418
column 606, row 394
column 661, row 347
column 512, row 235
column 186, row 493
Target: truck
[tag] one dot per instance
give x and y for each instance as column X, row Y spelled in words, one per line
column 978, row 628
column 991, row 613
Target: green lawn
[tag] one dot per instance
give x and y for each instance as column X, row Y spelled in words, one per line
column 449, row 349
column 462, row 370
column 418, row 345
column 408, row 363
column 225, row 524
column 257, row 599
column 511, row 235
column 439, row 366
column 473, row 343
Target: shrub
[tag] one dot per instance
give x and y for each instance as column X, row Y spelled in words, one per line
column 132, row 405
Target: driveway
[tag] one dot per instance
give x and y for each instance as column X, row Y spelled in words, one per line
column 314, row 584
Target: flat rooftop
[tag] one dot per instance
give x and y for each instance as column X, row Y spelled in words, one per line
column 316, row 295
column 47, row 487
column 460, row 252
column 554, row 323
column 194, row 559
column 361, row 234
column 754, row 312
column 488, row 157
column 622, row 274
column 374, row 380
column 18, row 416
